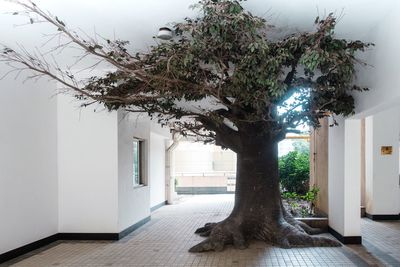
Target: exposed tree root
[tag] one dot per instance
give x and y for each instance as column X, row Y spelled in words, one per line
column 290, row 236
column 308, row 229
column 258, row 212
column 303, row 226
column 219, row 235
column 206, row 230
column 288, row 233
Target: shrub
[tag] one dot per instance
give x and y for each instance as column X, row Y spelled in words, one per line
column 300, row 205
column 294, row 171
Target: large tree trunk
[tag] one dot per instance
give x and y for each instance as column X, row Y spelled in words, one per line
column 258, row 212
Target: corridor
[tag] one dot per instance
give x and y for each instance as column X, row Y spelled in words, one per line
column 165, row 240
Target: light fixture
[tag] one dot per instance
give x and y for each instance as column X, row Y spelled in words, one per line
column 164, row 33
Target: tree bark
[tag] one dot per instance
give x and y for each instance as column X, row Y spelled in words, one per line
column 258, row 212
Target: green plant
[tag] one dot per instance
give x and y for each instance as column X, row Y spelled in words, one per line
column 294, row 172
column 301, row 205
column 290, row 195
column 304, row 211
column 310, row 197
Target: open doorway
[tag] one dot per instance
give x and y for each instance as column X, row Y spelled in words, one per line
column 203, row 169
column 209, row 169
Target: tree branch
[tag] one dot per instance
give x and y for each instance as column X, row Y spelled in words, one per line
column 225, row 136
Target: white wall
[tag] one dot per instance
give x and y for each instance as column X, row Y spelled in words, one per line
column 344, row 177
column 87, row 168
column 382, row 75
column 336, row 176
column 193, row 157
column 369, row 164
column 28, row 162
column 382, row 173
column 133, row 202
column 157, row 169
column 352, row 178
column 96, row 191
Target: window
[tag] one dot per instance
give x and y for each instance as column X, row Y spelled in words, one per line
column 137, row 162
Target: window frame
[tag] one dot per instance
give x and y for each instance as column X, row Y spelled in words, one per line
column 141, row 153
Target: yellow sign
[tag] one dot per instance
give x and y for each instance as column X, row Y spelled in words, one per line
column 386, row 150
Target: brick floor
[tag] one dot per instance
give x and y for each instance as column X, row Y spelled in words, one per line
column 166, row 239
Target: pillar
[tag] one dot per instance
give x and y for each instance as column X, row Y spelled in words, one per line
column 319, row 165
column 382, row 165
column 344, row 180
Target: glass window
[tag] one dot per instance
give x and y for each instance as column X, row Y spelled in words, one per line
column 137, row 162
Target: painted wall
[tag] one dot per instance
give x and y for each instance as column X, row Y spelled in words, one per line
column 363, row 165
column 369, row 164
column 336, row 176
column 193, row 158
column 382, row 173
column 87, row 168
column 344, row 174
column 157, row 169
column 381, row 76
column 28, row 149
column 133, row 202
column 197, row 158
column 352, row 178
column 95, row 155
column 28, row 162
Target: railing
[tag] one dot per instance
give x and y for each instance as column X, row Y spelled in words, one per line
column 211, row 173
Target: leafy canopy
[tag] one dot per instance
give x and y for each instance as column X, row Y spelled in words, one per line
column 222, row 78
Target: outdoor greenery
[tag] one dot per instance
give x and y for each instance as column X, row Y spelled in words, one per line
column 301, row 205
column 294, row 171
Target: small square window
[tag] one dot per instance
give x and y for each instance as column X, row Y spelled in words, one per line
column 137, row 162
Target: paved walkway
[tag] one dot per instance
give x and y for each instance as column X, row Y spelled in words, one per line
column 166, row 239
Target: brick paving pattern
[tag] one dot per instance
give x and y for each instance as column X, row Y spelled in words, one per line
column 165, row 241
column 382, row 239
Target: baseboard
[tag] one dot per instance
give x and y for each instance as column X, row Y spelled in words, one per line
column 345, row 239
column 133, row 227
column 156, row 207
column 88, row 236
column 70, row 236
column 27, row 248
column 383, row 217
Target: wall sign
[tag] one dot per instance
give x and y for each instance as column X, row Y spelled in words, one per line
column 386, row 150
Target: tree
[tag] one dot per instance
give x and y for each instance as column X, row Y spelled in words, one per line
column 294, row 171
column 302, row 146
column 222, row 80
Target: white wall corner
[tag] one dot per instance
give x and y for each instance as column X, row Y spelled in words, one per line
column 352, row 178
